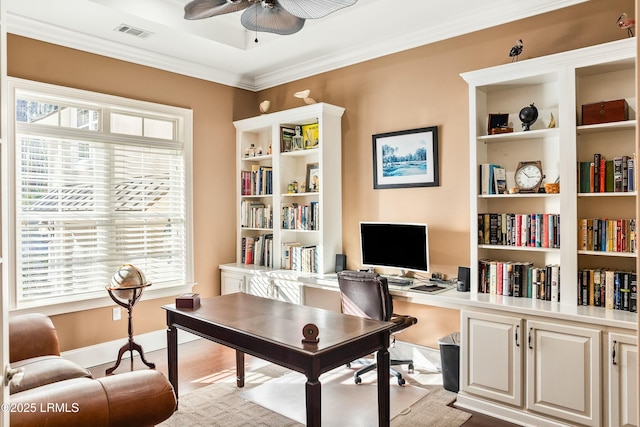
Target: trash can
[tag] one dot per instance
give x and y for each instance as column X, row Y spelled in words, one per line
column 450, row 361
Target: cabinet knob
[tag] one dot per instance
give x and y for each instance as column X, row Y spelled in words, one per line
column 517, row 340
column 530, row 334
column 613, row 353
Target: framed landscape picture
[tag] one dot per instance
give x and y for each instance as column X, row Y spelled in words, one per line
column 407, row 158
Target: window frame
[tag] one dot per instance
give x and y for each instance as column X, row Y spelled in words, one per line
column 106, row 103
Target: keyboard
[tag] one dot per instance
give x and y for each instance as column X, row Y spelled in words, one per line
column 398, row 281
column 429, row 288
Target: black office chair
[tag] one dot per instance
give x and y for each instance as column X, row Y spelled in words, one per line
column 367, row 295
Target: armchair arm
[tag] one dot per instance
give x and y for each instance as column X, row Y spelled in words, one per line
column 32, row 335
column 136, row 399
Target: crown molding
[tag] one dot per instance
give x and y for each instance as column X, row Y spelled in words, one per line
column 52, row 34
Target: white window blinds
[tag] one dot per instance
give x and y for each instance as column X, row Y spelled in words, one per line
column 90, row 197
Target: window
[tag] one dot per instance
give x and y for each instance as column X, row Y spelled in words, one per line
column 99, row 181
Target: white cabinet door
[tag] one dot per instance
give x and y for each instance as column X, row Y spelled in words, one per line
column 231, row 282
column 563, row 372
column 623, row 380
column 491, row 360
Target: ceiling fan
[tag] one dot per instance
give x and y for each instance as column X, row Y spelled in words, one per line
column 282, row 17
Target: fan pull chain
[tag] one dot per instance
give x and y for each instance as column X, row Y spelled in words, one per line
column 256, row 40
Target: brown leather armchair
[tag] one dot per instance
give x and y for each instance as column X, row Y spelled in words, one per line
column 57, row 392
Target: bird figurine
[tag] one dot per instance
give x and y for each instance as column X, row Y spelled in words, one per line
column 304, row 94
column 626, row 23
column 264, row 106
column 516, row 50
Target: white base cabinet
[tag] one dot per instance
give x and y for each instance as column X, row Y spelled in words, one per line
column 547, row 373
column 622, row 350
column 262, row 282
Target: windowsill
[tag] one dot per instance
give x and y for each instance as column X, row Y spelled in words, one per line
column 70, row 304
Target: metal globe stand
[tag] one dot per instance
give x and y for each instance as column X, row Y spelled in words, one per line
column 130, row 346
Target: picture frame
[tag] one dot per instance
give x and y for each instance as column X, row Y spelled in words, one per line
column 407, row 158
column 312, row 180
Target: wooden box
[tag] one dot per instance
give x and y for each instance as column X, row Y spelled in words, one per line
column 190, row 300
column 605, row 112
column 498, row 123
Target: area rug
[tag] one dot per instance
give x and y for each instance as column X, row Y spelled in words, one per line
column 223, row 404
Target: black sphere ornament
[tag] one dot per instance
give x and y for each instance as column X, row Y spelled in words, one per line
column 528, row 116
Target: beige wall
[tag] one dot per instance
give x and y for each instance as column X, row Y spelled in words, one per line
column 416, row 88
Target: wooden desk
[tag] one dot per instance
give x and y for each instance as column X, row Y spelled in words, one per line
column 272, row 330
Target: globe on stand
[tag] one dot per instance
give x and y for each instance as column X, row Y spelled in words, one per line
column 125, row 289
column 528, row 116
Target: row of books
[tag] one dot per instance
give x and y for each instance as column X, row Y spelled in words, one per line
column 539, row 230
column 607, row 235
column 493, row 179
column 614, row 290
column 607, row 176
column 255, row 215
column 301, row 137
column 258, row 181
column 297, row 257
column 300, row 217
column 519, row 279
column 258, row 250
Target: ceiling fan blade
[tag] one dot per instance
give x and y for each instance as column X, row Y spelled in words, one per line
column 313, row 9
column 200, row 9
column 271, row 19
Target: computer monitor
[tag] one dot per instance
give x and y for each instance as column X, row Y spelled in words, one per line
column 404, row 246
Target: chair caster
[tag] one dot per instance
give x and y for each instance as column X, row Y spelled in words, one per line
column 357, row 380
column 401, row 381
column 410, row 368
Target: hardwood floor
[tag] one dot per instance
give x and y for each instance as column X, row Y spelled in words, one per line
column 203, row 362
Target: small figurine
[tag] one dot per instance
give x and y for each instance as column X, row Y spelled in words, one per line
column 626, row 23
column 297, row 142
column 264, row 106
column 304, row 95
column 516, row 50
column 552, row 122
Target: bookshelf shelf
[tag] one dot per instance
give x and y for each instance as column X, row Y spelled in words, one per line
column 607, row 127
column 518, row 248
column 280, row 169
column 518, row 196
column 520, row 136
column 608, row 254
column 631, row 194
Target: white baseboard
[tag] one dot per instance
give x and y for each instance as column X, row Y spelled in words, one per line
column 107, row 352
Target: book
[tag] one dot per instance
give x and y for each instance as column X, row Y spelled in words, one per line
column 310, row 135
column 487, row 185
column 286, row 138
column 500, row 180
column 631, row 174
column 617, row 174
column 596, row 173
column 633, row 293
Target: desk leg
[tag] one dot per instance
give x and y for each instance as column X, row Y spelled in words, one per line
column 384, row 412
column 239, row 368
column 314, row 406
column 172, row 355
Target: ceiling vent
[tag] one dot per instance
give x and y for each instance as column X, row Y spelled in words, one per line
column 136, row 32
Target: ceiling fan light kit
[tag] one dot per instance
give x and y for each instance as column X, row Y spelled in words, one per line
column 282, row 17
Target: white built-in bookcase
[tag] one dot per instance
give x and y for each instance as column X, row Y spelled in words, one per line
column 264, row 132
column 558, row 84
